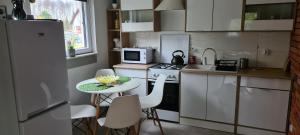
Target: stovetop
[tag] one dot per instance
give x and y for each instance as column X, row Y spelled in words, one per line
column 168, row 66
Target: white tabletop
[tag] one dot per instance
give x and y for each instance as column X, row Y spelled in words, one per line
column 127, row 86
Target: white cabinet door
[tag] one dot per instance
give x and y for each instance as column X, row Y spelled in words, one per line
column 262, row 108
column 136, row 4
column 193, row 95
column 141, row 90
column 221, row 97
column 227, row 15
column 199, row 15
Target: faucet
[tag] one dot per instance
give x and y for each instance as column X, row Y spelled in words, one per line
column 204, row 60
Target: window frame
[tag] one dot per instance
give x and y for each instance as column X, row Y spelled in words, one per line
column 88, row 25
column 87, row 29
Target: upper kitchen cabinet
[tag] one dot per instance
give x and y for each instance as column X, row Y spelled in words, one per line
column 227, row 15
column 272, row 15
column 136, row 4
column 139, row 15
column 256, row 2
column 214, row 15
column 199, row 15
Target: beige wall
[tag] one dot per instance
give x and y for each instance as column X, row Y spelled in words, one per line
column 230, row 45
column 78, row 74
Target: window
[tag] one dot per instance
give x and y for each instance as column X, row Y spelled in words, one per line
column 74, row 15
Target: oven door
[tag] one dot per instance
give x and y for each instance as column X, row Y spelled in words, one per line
column 131, row 56
column 168, row 109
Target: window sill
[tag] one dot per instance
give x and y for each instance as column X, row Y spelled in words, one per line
column 81, row 60
column 81, row 55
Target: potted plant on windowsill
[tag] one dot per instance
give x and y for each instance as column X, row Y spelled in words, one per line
column 71, row 49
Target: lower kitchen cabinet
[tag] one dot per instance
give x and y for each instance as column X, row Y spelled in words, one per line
column 140, row 75
column 208, row 101
column 263, row 108
column 221, row 97
column 193, row 95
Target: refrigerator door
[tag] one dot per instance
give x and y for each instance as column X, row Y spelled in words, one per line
column 54, row 122
column 37, row 52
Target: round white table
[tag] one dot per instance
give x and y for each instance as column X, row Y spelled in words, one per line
column 119, row 88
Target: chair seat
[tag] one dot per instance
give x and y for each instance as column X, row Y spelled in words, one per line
column 147, row 102
column 101, row 121
column 82, row 111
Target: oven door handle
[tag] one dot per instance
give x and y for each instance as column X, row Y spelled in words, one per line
column 167, row 81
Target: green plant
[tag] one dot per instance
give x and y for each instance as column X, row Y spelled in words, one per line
column 70, row 46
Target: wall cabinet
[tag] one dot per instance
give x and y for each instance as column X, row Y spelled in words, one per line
column 199, row 15
column 136, row 4
column 214, row 15
column 137, row 74
column 221, row 97
column 227, row 15
column 260, row 15
column 139, row 15
column 193, row 95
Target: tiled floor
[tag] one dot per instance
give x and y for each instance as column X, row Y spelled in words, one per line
column 148, row 128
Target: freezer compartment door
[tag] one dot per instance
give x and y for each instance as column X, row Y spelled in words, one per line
column 54, row 122
column 37, row 51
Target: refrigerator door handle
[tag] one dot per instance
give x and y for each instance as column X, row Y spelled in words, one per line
column 46, row 90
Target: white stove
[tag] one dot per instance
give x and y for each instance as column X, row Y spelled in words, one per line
column 168, row 109
column 171, row 71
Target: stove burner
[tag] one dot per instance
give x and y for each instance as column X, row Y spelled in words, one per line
column 168, row 66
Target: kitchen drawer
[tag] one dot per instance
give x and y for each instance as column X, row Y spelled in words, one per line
column 266, row 83
column 131, row 73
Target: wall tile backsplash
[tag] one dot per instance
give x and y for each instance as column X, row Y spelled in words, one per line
column 264, row 49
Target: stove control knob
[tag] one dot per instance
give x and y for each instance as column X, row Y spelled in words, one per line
column 174, row 76
column 155, row 75
column 169, row 76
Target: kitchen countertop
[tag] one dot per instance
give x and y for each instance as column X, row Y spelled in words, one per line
column 134, row 66
column 257, row 72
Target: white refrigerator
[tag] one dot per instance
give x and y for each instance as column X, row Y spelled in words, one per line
column 33, row 79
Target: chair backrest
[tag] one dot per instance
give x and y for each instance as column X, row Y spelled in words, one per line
column 157, row 93
column 123, row 112
column 105, row 72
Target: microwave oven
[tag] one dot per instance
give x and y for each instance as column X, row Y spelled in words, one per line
column 137, row 55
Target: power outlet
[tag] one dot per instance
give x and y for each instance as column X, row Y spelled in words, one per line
column 3, row 12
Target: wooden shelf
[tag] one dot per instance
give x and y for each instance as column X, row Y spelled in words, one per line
column 113, row 10
column 116, row 50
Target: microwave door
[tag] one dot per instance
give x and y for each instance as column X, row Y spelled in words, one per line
column 132, row 56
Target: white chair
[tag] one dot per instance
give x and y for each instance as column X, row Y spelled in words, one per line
column 105, row 100
column 124, row 112
column 81, row 113
column 152, row 100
